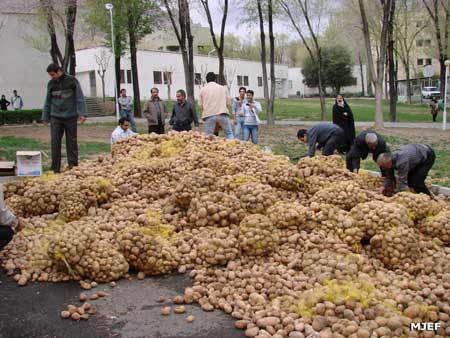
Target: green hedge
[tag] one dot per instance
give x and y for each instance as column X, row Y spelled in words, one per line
column 20, row 116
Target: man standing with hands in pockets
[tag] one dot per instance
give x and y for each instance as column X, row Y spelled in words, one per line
column 64, row 104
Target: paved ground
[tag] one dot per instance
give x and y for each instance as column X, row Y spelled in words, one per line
column 415, row 125
column 130, row 310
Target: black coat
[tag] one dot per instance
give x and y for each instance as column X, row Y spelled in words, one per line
column 360, row 150
column 346, row 122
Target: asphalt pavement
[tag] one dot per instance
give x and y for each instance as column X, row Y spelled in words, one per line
column 130, row 310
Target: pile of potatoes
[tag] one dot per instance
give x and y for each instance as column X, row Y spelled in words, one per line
column 287, row 250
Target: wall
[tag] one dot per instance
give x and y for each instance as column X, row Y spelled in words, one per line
column 150, row 61
column 296, row 76
column 22, row 66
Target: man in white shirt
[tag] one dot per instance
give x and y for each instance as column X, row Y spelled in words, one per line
column 122, row 131
column 9, row 224
column 16, row 101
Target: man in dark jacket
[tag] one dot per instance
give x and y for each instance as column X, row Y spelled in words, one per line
column 64, row 103
column 411, row 163
column 156, row 113
column 183, row 113
column 366, row 142
column 325, row 135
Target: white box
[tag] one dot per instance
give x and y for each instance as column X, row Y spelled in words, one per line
column 29, row 163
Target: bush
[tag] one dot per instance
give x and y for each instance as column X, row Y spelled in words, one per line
column 20, row 116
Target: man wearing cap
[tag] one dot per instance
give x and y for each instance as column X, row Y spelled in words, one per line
column 411, row 163
column 366, row 142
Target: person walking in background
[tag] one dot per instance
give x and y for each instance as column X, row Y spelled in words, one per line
column 325, row 135
column 411, row 163
column 16, row 101
column 64, row 103
column 183, row 113
column 126, row 106
column 236, row 109
column 434, row 108
column 155, row 111
column 251, row 109
column 343, row 117
column 122, row 131
column 4, row 103
column 214, row 101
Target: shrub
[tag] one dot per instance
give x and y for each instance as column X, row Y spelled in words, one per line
column 20, row 116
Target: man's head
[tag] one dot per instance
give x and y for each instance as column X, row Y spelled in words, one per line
column 155, row 92
column 250, row 93
column 210, row 77
column 242, row 92
column 15, row 92
column 384, row 161
column 3, row 97
column 123, row 92
column 371, row 140
column 181, row 96
column 54, row 71
column 302, row 135
column 124, row 123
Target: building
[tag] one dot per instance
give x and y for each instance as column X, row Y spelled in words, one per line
column 298, row 89
column 23, row 63
column 157, row 67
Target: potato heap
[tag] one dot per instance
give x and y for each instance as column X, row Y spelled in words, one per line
column 256, row 235
column 245, row 224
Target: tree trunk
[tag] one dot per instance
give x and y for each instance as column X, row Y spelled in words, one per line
column 222, row 80
column 442, row 75
column 263, row 54
column 190, row 88
column 408, row 82
column 70, row 56
column 273, row 83
column 391, row 68
column 361, row 74
column 117, row 68
column 134, row 71
column 323, row 111
column 103, row 88
column 379, row 104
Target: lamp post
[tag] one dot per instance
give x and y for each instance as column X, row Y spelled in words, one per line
column 109, row 7
column 444, row 119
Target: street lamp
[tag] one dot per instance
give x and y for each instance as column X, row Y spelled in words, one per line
column 109, row 7
column 444, row 120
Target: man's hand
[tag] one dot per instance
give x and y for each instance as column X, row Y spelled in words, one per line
column 252, row 106
column 20, row 225
column 388, row 192
column 82, row 119
column 234, row 121
column 345, row 114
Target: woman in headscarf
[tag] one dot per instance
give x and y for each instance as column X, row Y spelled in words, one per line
column 343, row 117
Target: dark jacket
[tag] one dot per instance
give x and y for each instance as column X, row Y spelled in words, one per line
column 151, row 112
column 360, row 150
column 346, row 122
column 183, row 114
column 4, row 103
column 320, row 134
column 64, row 99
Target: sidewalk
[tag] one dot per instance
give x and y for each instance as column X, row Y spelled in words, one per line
column 291, row 122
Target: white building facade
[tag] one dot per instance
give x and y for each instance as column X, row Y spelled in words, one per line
column 298, row 89
column 152, row 66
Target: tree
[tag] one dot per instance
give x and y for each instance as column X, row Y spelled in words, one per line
column 439, row 12
column 302, row 8
column 185, row 39
column 168, row 76
column 65, row 14
column 408, row 25
column 140, row 22
column 336, row 71
column 219, row 45
column 392, row 71
column 102, row 61
column 230, row 73
column 378, row 75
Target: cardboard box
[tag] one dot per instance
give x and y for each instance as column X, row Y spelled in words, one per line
column 7, row 168
column 29, row 163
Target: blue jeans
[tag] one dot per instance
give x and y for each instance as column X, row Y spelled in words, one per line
column 223, row 120
column 239, row 127
column 129, row 115
column 251, row 131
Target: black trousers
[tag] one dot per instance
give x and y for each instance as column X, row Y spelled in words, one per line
column 336, row 141
column 6, row 235
column 182, row 127
column 434, row 117
column 417, row 176
column 157, row 129
column 57, row 129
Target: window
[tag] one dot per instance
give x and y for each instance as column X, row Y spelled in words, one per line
column 290, row 84
column 239, row 80
column 260, row 81
column 122, row 76
column 419, row 43
column 428, row 62
column 129, row 77
column 198, row 78
column 157, row 77
column 427, row 42
column 420, row 62
column 167, row 78
column 245, row 80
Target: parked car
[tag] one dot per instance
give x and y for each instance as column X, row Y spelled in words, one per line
column 429, row 92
